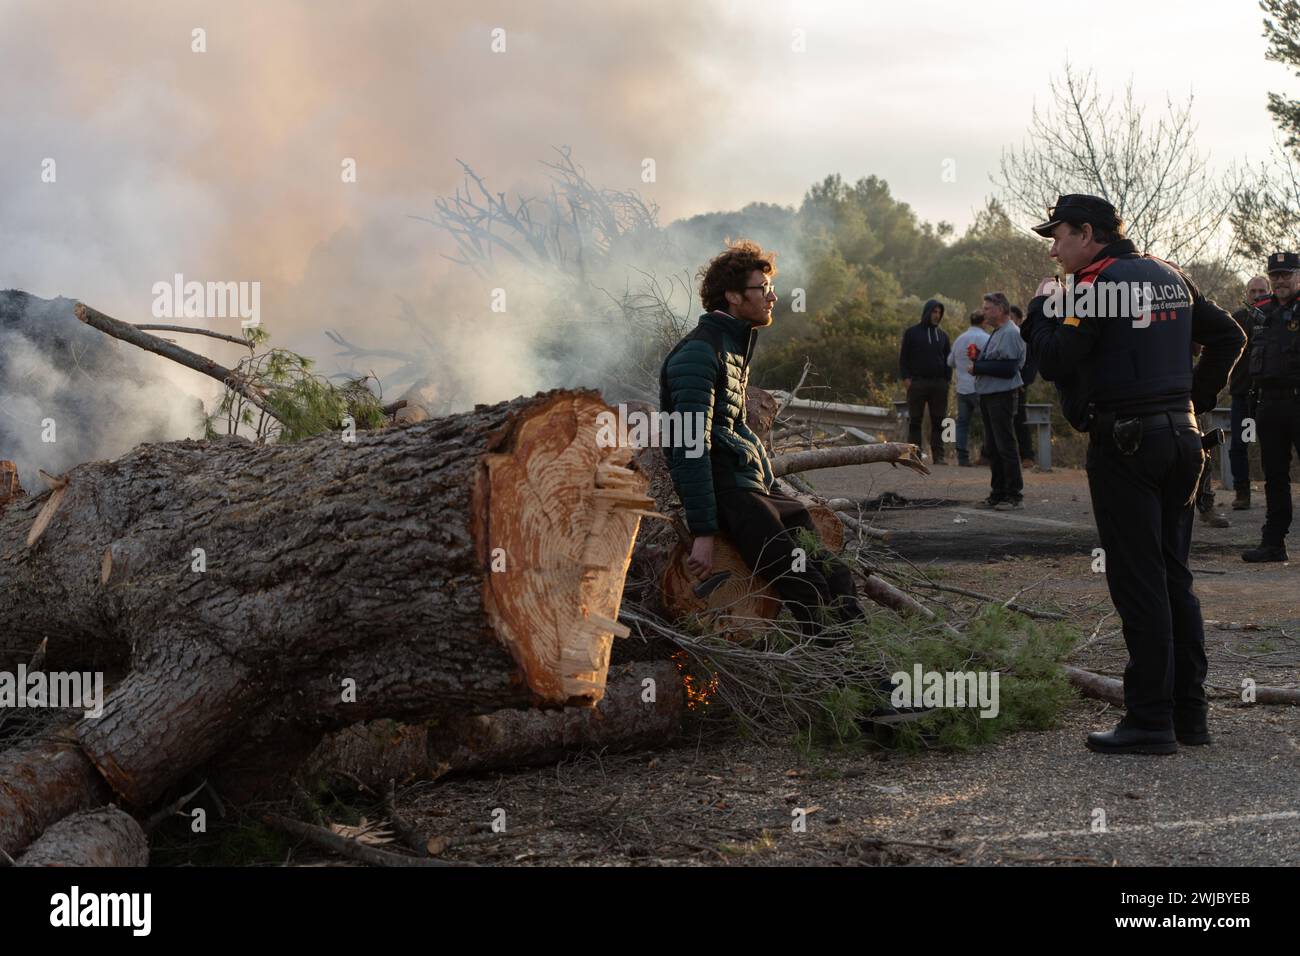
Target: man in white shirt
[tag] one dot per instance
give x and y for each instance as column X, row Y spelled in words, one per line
column 997, row 379
column 968, row 400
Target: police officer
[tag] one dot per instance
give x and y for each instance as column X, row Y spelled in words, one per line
column 1120, row 356
column 1274, row 365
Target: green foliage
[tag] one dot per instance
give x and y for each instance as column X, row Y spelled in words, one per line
column 1032, row 689
column 1282, row 30
column 297, row 402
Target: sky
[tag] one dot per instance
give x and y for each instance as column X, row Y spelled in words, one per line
column 224, row 164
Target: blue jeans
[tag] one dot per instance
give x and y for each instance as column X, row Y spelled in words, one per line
column 1238, row 458
column 967, row 406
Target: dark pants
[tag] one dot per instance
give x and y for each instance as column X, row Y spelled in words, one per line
column 765, row 530
column 931, row 393
column 999, row 410
column 1143, row 506
column 968, row 408
column 1022, row 426
column 1238, row 456
column 1277, row 425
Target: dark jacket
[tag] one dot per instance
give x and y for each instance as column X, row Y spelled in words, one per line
column 1273, row 359
column 925, row 349
column 706, row 374
column 1111, row 364
column 1248, row 318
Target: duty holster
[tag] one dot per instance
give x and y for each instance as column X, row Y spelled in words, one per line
column 1126, row 433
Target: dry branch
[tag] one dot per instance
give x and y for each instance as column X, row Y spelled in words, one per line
column 132, row 335
column 350, row 848
column 148, row 327
column 896, row 453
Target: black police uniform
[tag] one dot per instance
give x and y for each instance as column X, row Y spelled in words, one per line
column 1132, row 388
column 1274, row 365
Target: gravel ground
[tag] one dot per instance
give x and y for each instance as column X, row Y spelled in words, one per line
column 1033, row 798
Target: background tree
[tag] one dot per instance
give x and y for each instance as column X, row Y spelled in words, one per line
column 1266, row 211
column 1175, row 204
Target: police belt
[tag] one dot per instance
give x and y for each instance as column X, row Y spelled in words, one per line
column 1277, row 393
column 1103, row 425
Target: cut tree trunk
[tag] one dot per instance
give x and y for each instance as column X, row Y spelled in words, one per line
column 745, row 603
column 42, row 781
column 468, row 563
column 103, row 837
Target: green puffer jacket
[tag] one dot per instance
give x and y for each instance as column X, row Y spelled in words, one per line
column 692, row 383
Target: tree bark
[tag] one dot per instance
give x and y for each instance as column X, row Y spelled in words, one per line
column 371, row 754
column 42, row 781
column 103, row 837
column 469, row 563
column 745, row 602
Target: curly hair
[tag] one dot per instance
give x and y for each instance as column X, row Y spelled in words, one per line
column 729, row 271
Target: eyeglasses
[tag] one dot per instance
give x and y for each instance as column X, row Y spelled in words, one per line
column 765, row 289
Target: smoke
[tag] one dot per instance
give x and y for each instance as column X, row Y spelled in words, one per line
column 228, row 165
column 72, row 394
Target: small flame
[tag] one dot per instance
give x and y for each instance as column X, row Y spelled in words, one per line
column 698, row 692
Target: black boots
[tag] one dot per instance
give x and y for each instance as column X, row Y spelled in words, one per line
column 1131, row 740
column 1265, row 552
column 1192, row 732
column 1242, row 501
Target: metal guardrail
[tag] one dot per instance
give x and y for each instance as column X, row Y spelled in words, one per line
column 835, row 413
column 1039, row 416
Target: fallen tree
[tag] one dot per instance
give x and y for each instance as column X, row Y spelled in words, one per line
column 463, row 564
column 632, row 714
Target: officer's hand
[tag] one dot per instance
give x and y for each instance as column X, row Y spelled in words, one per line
column 907, row 383
column 1047, row 286
column 701, row 560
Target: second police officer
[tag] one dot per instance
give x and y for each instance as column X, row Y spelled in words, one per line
column 1125, row 376
column 1273, row 361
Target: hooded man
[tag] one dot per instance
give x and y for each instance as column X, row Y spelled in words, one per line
column 925, row 373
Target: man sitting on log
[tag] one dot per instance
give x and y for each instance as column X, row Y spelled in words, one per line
column 729, row 489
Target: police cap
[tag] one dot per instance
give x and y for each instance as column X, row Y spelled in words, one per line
column 1076, row 209
column 1283, row 262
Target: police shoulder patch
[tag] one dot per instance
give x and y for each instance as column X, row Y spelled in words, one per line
column 1072, row 321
